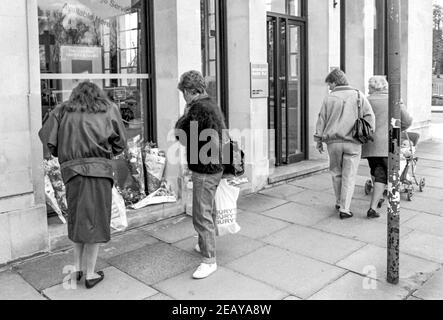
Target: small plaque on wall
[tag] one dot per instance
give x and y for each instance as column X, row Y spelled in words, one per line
column 259, row 80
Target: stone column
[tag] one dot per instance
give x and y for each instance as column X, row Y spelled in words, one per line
column 23, row 220
column 360, row 42
column 417, row 63
column 177, row 49
column 247, row 42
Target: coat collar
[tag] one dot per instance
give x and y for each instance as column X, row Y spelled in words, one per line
column 343, row 88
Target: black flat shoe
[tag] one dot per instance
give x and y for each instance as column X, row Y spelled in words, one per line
column 78, row 275
column 92, row 283
column 380, row 203
column 372, row 214
column 337, row 207
column 344, row 216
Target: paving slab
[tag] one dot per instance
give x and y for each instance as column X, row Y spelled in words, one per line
column 434, row 182
column 355, row 287
column 257, row 226
column 229, row 247
column 301, row 214
column 173, row 232
column 50, row 270
column 370, row 261
column 433, row 288
column 293, row 273
column 427, row 223
column 127, row 242
column 116, row 286
column 282, row 192
column 431, row 193
column 292, row 298
column 316, row 183
column 314, row 244
column 13, row 287
column 425, row 205
column 426, row 246
column 152, row 264
column 224, row 285
column 314, row 199
column 430, row 172
column 259, row 203
column 159, row 297
column 363, row 230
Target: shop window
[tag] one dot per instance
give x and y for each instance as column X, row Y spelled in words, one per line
column 97, row 41
column 213, row 40
column 105, row 42
column 380, row 58
column 288, row 7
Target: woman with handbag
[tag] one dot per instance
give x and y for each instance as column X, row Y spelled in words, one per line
column 342, row 110
column 376, row 152
column 201, row 130
column 85, row 133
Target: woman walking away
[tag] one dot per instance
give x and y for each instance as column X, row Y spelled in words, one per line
column 202, row 120
column 334, row 127
column 85, row 133
column 377, row 152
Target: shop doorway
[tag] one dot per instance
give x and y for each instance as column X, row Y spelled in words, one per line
column 287, row 107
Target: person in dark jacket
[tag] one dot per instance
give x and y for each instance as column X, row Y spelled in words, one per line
column 377, row 152
column 85, row 133
column 200, row 129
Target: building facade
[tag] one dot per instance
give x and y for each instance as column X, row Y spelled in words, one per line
column 265, row 62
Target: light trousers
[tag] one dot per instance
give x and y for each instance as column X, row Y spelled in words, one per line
column 344, row 160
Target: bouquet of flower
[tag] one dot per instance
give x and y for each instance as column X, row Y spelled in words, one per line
column 155, row 163
column 129, row 172
column 54, row 175
column 163, row 195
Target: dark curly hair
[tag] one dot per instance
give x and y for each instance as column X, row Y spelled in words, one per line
column 192, row 81
column 88, row 97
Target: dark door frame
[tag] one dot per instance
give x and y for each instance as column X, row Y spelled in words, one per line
column 302, row 23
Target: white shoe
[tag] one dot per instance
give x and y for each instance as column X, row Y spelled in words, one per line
column 204, row 270
column 197, row 248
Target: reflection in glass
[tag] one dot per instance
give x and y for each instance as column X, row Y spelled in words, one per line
column 209, row 46
column 290, row 7
column 98, row 38
column 294, row 93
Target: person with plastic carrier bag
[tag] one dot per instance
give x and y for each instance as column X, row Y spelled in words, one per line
column 200, row 130
column 85, row 133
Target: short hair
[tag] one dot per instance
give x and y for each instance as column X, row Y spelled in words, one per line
column 88, row 97
column 338, row 77
column 192, row 81
column 377, row 84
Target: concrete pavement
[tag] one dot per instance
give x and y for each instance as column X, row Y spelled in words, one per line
column 292, row 246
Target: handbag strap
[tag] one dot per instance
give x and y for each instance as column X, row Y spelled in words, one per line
column 359, row 104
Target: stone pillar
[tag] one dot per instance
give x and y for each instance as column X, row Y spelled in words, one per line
column 319, row 51
column 360, row 42
column 247, row 42
column 177, row 49
column 417, row 63
column 23, row 220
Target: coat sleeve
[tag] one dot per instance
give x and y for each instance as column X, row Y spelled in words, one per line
column 49, row 134
column 406, row 118
column 321, row 123
column 368, row 113
column 118, row 138
column 182, row 129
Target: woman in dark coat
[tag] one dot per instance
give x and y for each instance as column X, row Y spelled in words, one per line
column 85, row 133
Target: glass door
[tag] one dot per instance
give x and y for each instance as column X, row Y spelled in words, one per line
column 287, row 111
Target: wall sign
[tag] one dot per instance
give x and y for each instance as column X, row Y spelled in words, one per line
column 259, row 80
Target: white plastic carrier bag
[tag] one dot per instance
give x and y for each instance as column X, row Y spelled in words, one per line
column 226, row 208
column 119, row 221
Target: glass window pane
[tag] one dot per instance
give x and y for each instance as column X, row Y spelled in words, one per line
column 209, row 46
column 278, row 6
column 295, row 8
